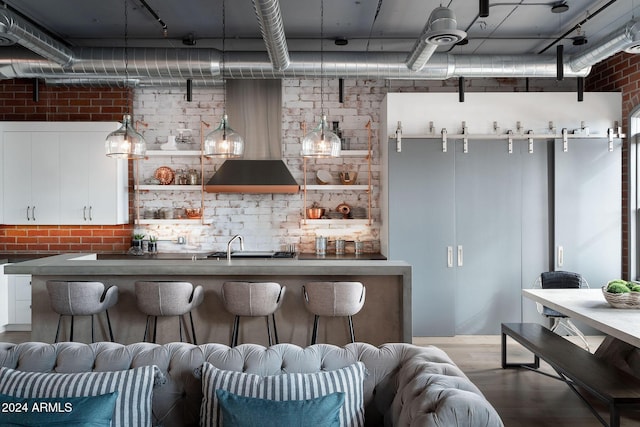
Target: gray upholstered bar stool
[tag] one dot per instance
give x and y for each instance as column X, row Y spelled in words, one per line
column 252, row 299
column 333, row 299
column 81, row 299
column 168, row 299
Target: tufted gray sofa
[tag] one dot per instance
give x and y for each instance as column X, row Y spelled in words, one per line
column 405, row 385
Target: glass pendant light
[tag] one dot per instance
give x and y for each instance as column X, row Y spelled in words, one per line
column 223, row 141
column 126, row 142
column 321, row 141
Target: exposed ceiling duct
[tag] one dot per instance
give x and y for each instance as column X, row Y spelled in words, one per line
column 14, row 28
column 440, row 30
column 625, row 38
column 272, row 29
column 166, row 66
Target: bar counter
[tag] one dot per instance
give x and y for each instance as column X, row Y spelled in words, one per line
column 385, row 317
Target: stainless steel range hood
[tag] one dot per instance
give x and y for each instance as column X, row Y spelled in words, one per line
column 255, row 106
column 252, row 176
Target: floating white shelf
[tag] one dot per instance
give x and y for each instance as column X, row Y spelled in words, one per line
column 165, row 153
column 156, row 187
column 338, row 187
column 169, row 221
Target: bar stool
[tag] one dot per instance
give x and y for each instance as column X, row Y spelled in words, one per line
column 252, row 299
column 81, row 299
column 333, row 299
column 167, row 299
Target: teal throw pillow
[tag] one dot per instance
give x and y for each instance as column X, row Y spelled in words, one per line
column 94, row 411
column 240, row 411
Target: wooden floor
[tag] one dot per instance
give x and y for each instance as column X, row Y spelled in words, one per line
column 522, row 398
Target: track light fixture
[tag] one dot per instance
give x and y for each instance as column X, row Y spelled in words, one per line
column 484, row 9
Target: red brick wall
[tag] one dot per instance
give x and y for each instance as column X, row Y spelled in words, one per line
column 60, row 103
column 620, row 73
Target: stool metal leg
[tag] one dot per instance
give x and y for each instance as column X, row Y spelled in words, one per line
column 109, row 324
column 269, row 332
column 353, row 337
column 234, row 334
column 58, row 329
column 275, row 329
column 155, row 328
column 146, row 328
column 180, row 319
column 92, row 335
column 71, row 336
column 193, row 330
column 314, row 336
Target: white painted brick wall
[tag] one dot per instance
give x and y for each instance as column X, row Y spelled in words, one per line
column 274, row 221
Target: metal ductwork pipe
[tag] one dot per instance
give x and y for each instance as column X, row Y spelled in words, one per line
column 162, row 65
column 272, row 29
column 109, row 64
column 25, row 34
column 625, row 37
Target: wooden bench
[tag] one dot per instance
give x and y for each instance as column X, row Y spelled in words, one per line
column 576, row 367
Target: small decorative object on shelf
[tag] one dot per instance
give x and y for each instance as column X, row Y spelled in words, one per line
column 165, row 175
column 194, row 213
column 315, row 211
column 344, row 209
column 348, row 178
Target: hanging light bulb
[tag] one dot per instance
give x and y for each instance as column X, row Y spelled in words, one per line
column 223, row 141
column 125, row 142
column 321, row 141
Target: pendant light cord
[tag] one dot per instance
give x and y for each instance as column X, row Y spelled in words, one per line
column 224, row 80
column 126, row 62
column 322, row 70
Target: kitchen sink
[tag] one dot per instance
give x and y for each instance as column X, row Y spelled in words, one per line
column 252, row 254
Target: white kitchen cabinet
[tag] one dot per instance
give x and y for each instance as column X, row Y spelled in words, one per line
column 57, row 173
column 31, row 186
column 19, row 302
column 4, row 299
column 93, row 186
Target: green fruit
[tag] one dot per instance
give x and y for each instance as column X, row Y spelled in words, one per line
column 617, row 288
column 635, row 287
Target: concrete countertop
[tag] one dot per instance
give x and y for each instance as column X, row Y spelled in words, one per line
column 78, row 264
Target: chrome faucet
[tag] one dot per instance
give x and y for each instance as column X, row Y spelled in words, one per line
column 239, row 237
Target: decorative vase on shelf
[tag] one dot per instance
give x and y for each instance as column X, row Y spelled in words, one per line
column 170, row 144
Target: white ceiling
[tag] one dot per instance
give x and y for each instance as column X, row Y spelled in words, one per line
column 513, row 27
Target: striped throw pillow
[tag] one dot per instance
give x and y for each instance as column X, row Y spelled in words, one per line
column 134, row 387
column 293, row 386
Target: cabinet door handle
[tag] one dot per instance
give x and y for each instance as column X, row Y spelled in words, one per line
column 90, row 213
column 460, row 256
column 33, row 213
column 560, row 256
column 28, row 209
column 84, row 213
column 449, row 256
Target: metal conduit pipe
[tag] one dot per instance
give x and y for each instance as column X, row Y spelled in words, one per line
column 272, row 29
column 15, row 28
column 619, row 40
